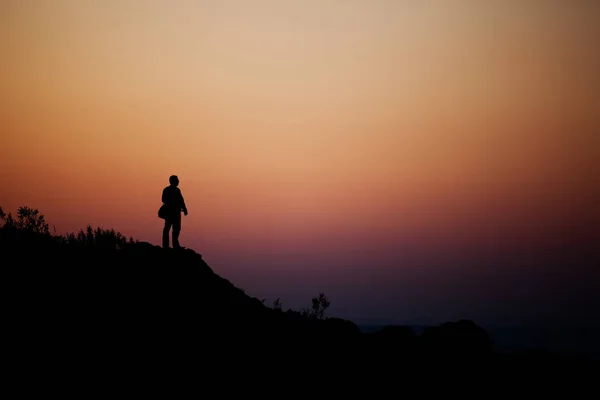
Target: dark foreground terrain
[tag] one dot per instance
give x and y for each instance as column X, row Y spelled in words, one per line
column 108, row 307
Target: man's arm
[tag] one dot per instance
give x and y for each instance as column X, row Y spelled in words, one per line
column 183, row 206
column 164, row 196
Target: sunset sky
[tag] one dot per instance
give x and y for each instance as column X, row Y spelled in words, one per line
column 414, row 160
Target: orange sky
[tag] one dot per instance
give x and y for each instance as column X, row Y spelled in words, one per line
column 303, row 126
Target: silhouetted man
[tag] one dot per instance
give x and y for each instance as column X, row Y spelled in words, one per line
column 174, row 203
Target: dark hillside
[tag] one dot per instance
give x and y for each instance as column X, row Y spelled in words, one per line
column 108, row 295
column 98, row 299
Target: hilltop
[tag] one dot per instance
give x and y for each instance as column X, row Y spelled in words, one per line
column 98, row 296
column 133, row 297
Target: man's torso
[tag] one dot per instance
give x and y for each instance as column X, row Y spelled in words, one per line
column 172, row 198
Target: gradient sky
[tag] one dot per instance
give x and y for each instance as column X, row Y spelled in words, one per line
column 416, row 161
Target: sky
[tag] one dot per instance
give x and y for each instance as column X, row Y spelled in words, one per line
column 415, row 161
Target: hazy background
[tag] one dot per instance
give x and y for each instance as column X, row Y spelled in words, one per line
column 416, row 161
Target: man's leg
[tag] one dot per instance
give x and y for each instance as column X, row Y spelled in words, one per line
column 165, row 235
column 176, row 230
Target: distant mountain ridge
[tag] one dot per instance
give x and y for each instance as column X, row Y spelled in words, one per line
column 569, row 340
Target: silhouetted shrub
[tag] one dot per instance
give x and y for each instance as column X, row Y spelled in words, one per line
column 30, row 222
column 319, row 305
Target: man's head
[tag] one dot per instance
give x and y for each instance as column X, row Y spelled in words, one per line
column 174, row 180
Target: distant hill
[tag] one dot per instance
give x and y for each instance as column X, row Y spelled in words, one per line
column 97, row 297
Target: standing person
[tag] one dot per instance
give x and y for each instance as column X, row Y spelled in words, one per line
column 174, row 204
